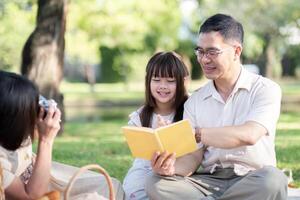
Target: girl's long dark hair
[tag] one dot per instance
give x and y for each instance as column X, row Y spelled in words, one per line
column 18, row 109
column 164, row 64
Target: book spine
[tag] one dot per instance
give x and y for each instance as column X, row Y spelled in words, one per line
column 161, row 148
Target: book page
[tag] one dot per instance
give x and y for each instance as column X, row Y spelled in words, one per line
column 178, row 137
column 141, row 141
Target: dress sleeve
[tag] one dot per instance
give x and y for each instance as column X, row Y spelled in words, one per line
column 134, row 118
column 6, row 166
column 14, row 163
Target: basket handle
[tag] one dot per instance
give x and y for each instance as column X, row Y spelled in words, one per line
column 85, row 168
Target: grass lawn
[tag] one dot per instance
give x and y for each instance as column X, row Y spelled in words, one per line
column 288, row 143
column 93, row 135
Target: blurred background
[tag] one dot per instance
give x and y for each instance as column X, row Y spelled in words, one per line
column 90, row 56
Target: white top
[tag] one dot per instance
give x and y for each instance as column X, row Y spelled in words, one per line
column 14, row 163
column 254, row 98
column 134, row 182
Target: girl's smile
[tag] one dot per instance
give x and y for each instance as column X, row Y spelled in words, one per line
column 163, row 89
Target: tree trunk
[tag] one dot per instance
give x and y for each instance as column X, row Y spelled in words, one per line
column 43, row 52
column 273, row 66
column 271, row 59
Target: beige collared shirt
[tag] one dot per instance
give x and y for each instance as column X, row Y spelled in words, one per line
column 254, row 98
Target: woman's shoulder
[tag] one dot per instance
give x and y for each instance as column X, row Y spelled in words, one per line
column 13, row 163
column 11, row 158
column 6, row 166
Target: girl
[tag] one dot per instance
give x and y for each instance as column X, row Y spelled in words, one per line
column 165, row 94
column 20, row 119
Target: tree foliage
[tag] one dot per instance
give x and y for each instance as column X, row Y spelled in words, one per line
column 134, row 29
column 264, row 22
column 17, row 21
column 131, row 29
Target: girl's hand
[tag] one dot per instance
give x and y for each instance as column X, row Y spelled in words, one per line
column 49, row 126
column 161, row 122
column 163, row 163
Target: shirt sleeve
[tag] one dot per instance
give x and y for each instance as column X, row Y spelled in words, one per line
column 265, row 109
column 190, row 114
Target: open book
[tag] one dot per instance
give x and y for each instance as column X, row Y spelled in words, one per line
column 177, row 137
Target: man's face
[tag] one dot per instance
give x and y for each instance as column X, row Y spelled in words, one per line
column 215, row 56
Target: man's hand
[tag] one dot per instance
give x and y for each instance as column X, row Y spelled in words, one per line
column 163, row 163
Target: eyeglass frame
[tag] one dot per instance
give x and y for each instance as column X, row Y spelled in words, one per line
column 216, row 52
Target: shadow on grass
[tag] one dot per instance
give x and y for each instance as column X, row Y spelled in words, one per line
column 98, row 114
column 290, row 116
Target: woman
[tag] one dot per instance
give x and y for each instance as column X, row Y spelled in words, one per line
column 21, row 118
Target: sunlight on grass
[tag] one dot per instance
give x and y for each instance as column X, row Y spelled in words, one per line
column 288, row 151
column 286, row 126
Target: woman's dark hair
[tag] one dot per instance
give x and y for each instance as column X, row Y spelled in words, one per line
column 18, row 109
column 226, row 25
column 164, row 64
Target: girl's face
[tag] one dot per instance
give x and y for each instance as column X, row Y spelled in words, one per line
column 163, row 90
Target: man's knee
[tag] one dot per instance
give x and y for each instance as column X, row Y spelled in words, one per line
column 273, row 180
column 152, row 185
column 155, row 184
column 164, row 187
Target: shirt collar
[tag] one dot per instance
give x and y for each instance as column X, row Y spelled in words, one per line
column 243, row 82
column 211, row 90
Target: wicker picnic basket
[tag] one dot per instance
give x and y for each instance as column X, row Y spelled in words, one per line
column 82, row 170
column 55, row 195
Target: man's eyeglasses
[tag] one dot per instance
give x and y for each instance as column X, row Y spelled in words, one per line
column 209, row 53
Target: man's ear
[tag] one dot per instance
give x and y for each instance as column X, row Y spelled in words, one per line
column 238, row 52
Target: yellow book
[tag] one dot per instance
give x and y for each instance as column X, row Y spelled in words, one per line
column 175, row 138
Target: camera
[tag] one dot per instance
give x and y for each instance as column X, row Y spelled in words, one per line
column 45, row 103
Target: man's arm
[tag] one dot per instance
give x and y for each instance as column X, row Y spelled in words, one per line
column 260, row 121
column 188, row 164
column 233, row 136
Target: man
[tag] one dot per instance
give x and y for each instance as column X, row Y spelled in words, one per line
column 236, row 113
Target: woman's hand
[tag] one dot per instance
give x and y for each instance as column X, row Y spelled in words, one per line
column 163, row 163
column 49, row 125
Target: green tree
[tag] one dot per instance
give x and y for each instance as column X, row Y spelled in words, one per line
column 135, row 30
column 263, row 22
column 13, row 30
